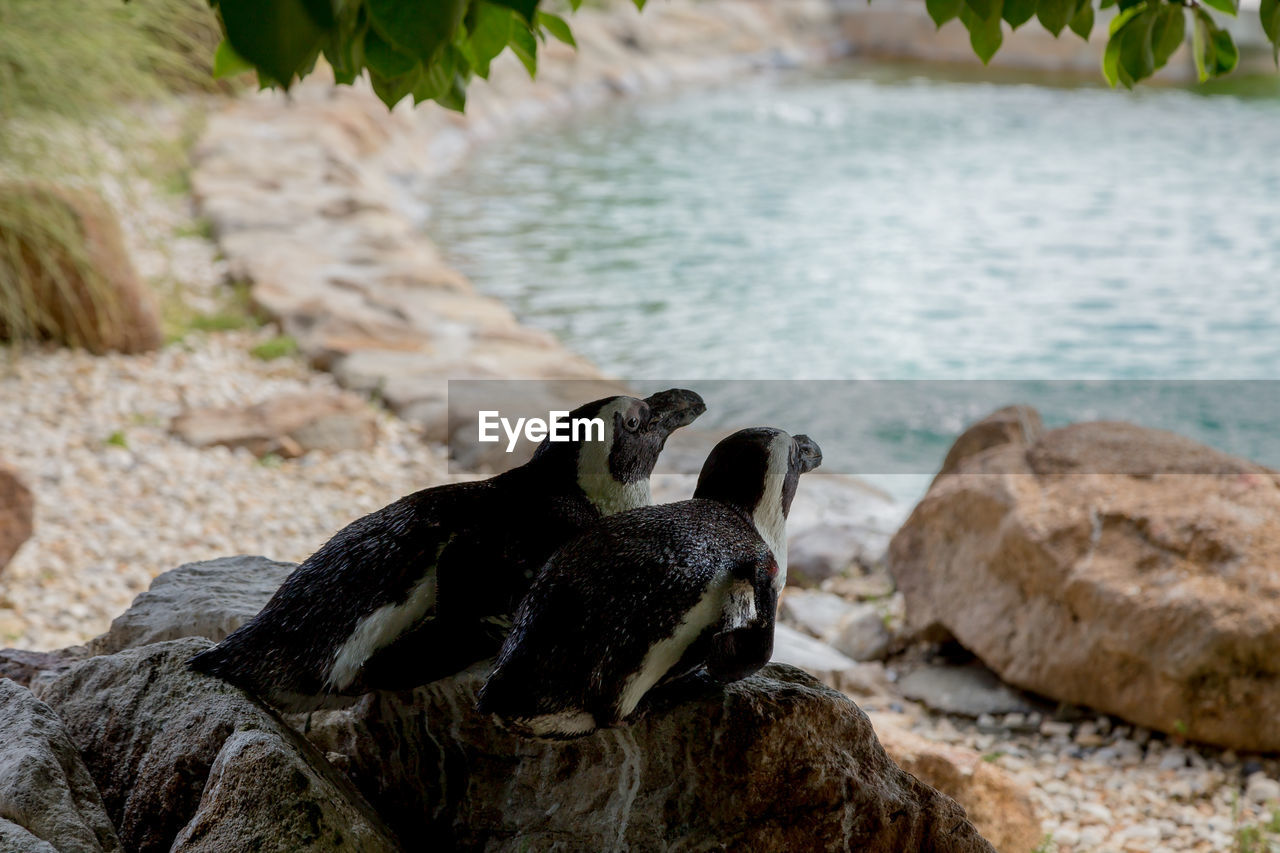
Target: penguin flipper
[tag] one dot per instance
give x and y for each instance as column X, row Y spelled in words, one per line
column 741, row 650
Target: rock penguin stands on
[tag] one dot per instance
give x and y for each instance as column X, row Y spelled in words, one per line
column 654, row 594
column 425, row 587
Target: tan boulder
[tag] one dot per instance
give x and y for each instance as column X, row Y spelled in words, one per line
column 17, row 513
column 289, row 425
column 83, row 290
column 1109, row 565
column 999, row 805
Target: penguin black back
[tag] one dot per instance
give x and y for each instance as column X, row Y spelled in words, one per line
column 655, row 593
column 425, row 586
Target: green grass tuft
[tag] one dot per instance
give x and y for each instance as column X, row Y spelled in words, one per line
column 280, row 346
column 116, row 439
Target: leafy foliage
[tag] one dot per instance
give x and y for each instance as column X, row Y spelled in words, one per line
column 427, row 50
column 430, row 50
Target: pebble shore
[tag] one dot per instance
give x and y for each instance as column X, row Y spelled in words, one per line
column 119, row 500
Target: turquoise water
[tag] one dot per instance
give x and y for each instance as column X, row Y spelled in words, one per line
column 882, row 224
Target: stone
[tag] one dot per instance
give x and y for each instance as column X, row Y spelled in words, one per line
column 22, row 666
column 970, row 690
column 15, row 838
column 1261, row 790
column 151, row 731
column 1108, row 565
column 85, row 295
column 45, row 788
column 207, row 599
column 17, row 515
column 774, row 762
column 862, row 635
column 826, row 551
column 1000, row 806
column 288, row 426
column 826, row 664
column 263, row 794
column 1019, row 425
column 818, row 614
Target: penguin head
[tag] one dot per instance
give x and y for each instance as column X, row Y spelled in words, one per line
column 757, row 470
column 614, row 472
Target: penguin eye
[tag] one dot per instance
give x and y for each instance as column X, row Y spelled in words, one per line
column 632, row 424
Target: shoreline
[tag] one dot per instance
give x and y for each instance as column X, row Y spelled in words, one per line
column 316, row 201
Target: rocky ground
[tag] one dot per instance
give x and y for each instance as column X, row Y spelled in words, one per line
column 120, row 499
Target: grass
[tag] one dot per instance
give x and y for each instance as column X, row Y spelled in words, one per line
column 1046, row 845
column 278, row 347
column 236, row 312
column 116, row 439
column 71, row 75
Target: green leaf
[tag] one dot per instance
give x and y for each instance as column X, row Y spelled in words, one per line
column 278, row 36
column 1227, row 53
column 1054, row 15
column 526, row 8
column 943, row 10
column 557, row 26
column 419, row 28
column 525, row 47
column 1137, row 58
column 1082, row 23
column 490, row 30
column 392, row 90
column 321, row 11
column 444, row 81
column 1111, row 61
column 1168, row 33
column 639, row 4
column 985, row 35
column 575, row 5
column 983, row 10
column 1106, row 4
column 384, row 59
column 1269, row 12
column 228, row 63
column 1214, row 50
column 1018, row 12
column 1231, row 7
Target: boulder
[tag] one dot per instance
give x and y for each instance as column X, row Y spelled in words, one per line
column 998, row 804
column 158, row 742
column 16, row 839
column 17, row 514
column 851, row 628
column 45, row 789
column 829, row 550
column 970, row 690
column 207, row 599
column 774, row 762
column 1104, row 564
column 81, row 286
column 289, row 425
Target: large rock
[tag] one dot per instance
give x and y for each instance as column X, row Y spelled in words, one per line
column 45, row 788
column 999, row 806
column 775, row 762
column 207, row 599
column 83, row 288
column 289, row 425
column 1104, row 564
column 17, row 513
column 177, row 755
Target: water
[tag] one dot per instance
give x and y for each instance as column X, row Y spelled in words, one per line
column 880, row 224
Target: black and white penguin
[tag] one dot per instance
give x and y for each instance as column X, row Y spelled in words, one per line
column 653, row 594
column 426, row 586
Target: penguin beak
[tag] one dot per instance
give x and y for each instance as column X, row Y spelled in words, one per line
column 674, row 408
column 808, row 451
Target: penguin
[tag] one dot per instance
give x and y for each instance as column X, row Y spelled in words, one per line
column 426, row 586
column 655, row 595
